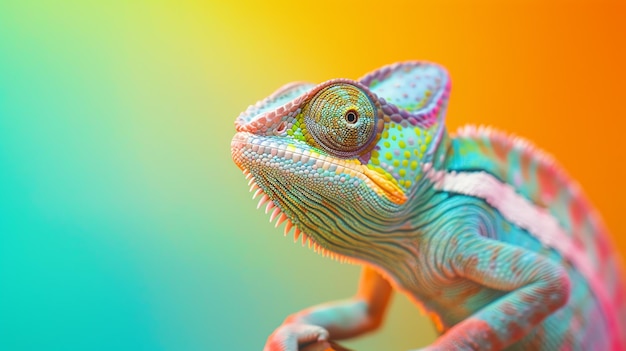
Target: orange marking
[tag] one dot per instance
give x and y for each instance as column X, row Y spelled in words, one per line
column 390, row 190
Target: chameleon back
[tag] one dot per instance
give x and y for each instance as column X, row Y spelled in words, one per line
column 583, row 240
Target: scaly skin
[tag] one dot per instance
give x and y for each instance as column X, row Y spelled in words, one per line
column 481, row 230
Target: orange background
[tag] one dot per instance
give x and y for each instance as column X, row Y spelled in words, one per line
column 124, row 223
column 551, row 71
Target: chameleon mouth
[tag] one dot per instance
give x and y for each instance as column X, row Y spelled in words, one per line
column 244, row 141
column 278, row 217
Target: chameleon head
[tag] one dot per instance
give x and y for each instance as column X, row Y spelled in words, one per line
column 340, row 160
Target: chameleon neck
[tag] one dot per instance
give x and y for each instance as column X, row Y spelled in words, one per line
column 395, row 249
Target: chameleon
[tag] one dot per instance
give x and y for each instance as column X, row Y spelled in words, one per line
column 482, row 230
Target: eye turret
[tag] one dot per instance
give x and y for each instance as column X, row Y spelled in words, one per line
column 342, row 119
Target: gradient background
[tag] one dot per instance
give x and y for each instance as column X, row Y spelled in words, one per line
column 124, row 224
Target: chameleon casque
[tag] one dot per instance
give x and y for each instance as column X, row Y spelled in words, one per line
column 483, row 231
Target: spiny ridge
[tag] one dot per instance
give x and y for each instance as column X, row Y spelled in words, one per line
column 280, row 220
column 288, row 227
column 263, row 200
column 521, row 144
column 275, row 214
column 279, row 217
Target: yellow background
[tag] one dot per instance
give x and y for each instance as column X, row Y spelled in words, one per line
column 124, row 224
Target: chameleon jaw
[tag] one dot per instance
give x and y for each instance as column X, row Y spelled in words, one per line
column 278, row 217
column 259, row 157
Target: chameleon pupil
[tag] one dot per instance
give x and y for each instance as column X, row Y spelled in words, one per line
column 351, row 116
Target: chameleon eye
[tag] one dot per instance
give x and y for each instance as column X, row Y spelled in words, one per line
column 342, row 119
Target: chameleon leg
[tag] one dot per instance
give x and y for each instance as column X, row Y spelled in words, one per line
column 325, row 346
column 335, row 320
column 537, row 285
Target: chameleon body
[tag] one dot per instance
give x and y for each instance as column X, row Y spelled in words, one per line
column 483, row 231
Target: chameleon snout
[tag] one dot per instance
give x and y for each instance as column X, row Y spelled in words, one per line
column 236, row 148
